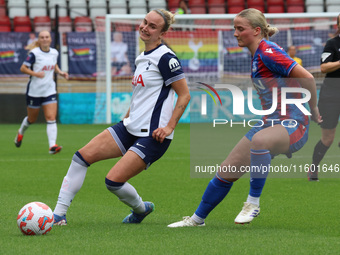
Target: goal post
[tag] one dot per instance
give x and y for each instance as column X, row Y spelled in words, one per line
column 206, row 48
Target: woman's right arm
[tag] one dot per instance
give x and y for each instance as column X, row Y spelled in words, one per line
column 26, row 70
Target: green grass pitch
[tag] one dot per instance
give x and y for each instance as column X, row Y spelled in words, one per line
column 297, row 216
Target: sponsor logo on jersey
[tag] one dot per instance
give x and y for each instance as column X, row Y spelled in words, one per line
column 138, row 80
column 174, row 65
column 269, row 50
column 48, row 68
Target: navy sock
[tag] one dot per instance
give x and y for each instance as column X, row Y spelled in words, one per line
column 215, row 192
column 259, row 162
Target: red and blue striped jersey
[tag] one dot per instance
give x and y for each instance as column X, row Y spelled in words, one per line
column 271, row 67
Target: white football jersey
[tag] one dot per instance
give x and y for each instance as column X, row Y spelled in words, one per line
column 153, row 98
column 38, row 61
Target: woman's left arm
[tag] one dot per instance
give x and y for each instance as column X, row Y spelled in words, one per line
column 307, row 81
column 182, row 91
column 58, row 71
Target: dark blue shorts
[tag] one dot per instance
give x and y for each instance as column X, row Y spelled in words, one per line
column 146, row 147
column 298, row 135
column 36, row 102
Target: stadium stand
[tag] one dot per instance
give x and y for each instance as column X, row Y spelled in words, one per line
column 99, row 24
column 314, row 5
column 16, row 8
column 301, row 21
column 78, row 8
column 235, row 6
column 295, row 2
column 216, row 9
column 42, row 23
column 275, row 6
column 235, row 9
column 97, row 8
column 138, row 7
column 295, row 8
column 5, row 24
column 196, row 3
column 216, row 6
column 281, row 21
column 154, row 4
column 276, row 2
column 22, row 24
column 257, row 4
column 65, row 24
column 62, row 8
column 275, row 9
column 223, row 23
column 314, row 2
column 118, row 7
column 314, row 8
column 216, row 3
column 319, row 24
column 198, row 10
column 332, row 6
column 2, row 8
column 37, row 8
column 83, row 24
column 202, row 23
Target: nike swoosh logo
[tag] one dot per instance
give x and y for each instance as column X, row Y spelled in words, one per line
column 138, row 144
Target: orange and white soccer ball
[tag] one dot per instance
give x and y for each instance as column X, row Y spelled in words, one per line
column 35, row 218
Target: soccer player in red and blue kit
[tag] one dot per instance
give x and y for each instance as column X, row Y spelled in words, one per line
column 270, row 68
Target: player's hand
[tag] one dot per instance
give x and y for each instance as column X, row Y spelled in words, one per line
column 40, row 74
column 64, row 74
column 160, row 133
column 316, row 115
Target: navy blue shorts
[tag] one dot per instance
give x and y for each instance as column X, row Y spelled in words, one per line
column 146, row 147
column 36, row 102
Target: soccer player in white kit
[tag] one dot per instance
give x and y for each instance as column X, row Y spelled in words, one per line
column 147, row 129
column 40, row 64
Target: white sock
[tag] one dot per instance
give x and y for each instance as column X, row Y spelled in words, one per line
column 72, row 183
column 129, row 196
column 51, row 130
column 197, row 219
column 24, row 125
column 253, row 200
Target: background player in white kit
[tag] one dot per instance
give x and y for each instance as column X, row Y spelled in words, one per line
column 147, row 129
column 40, row 64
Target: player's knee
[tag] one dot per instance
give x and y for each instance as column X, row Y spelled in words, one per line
column 77, row 157
column 328, row 140
column 31, row 120
column 112, row 185
column 259, row 143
